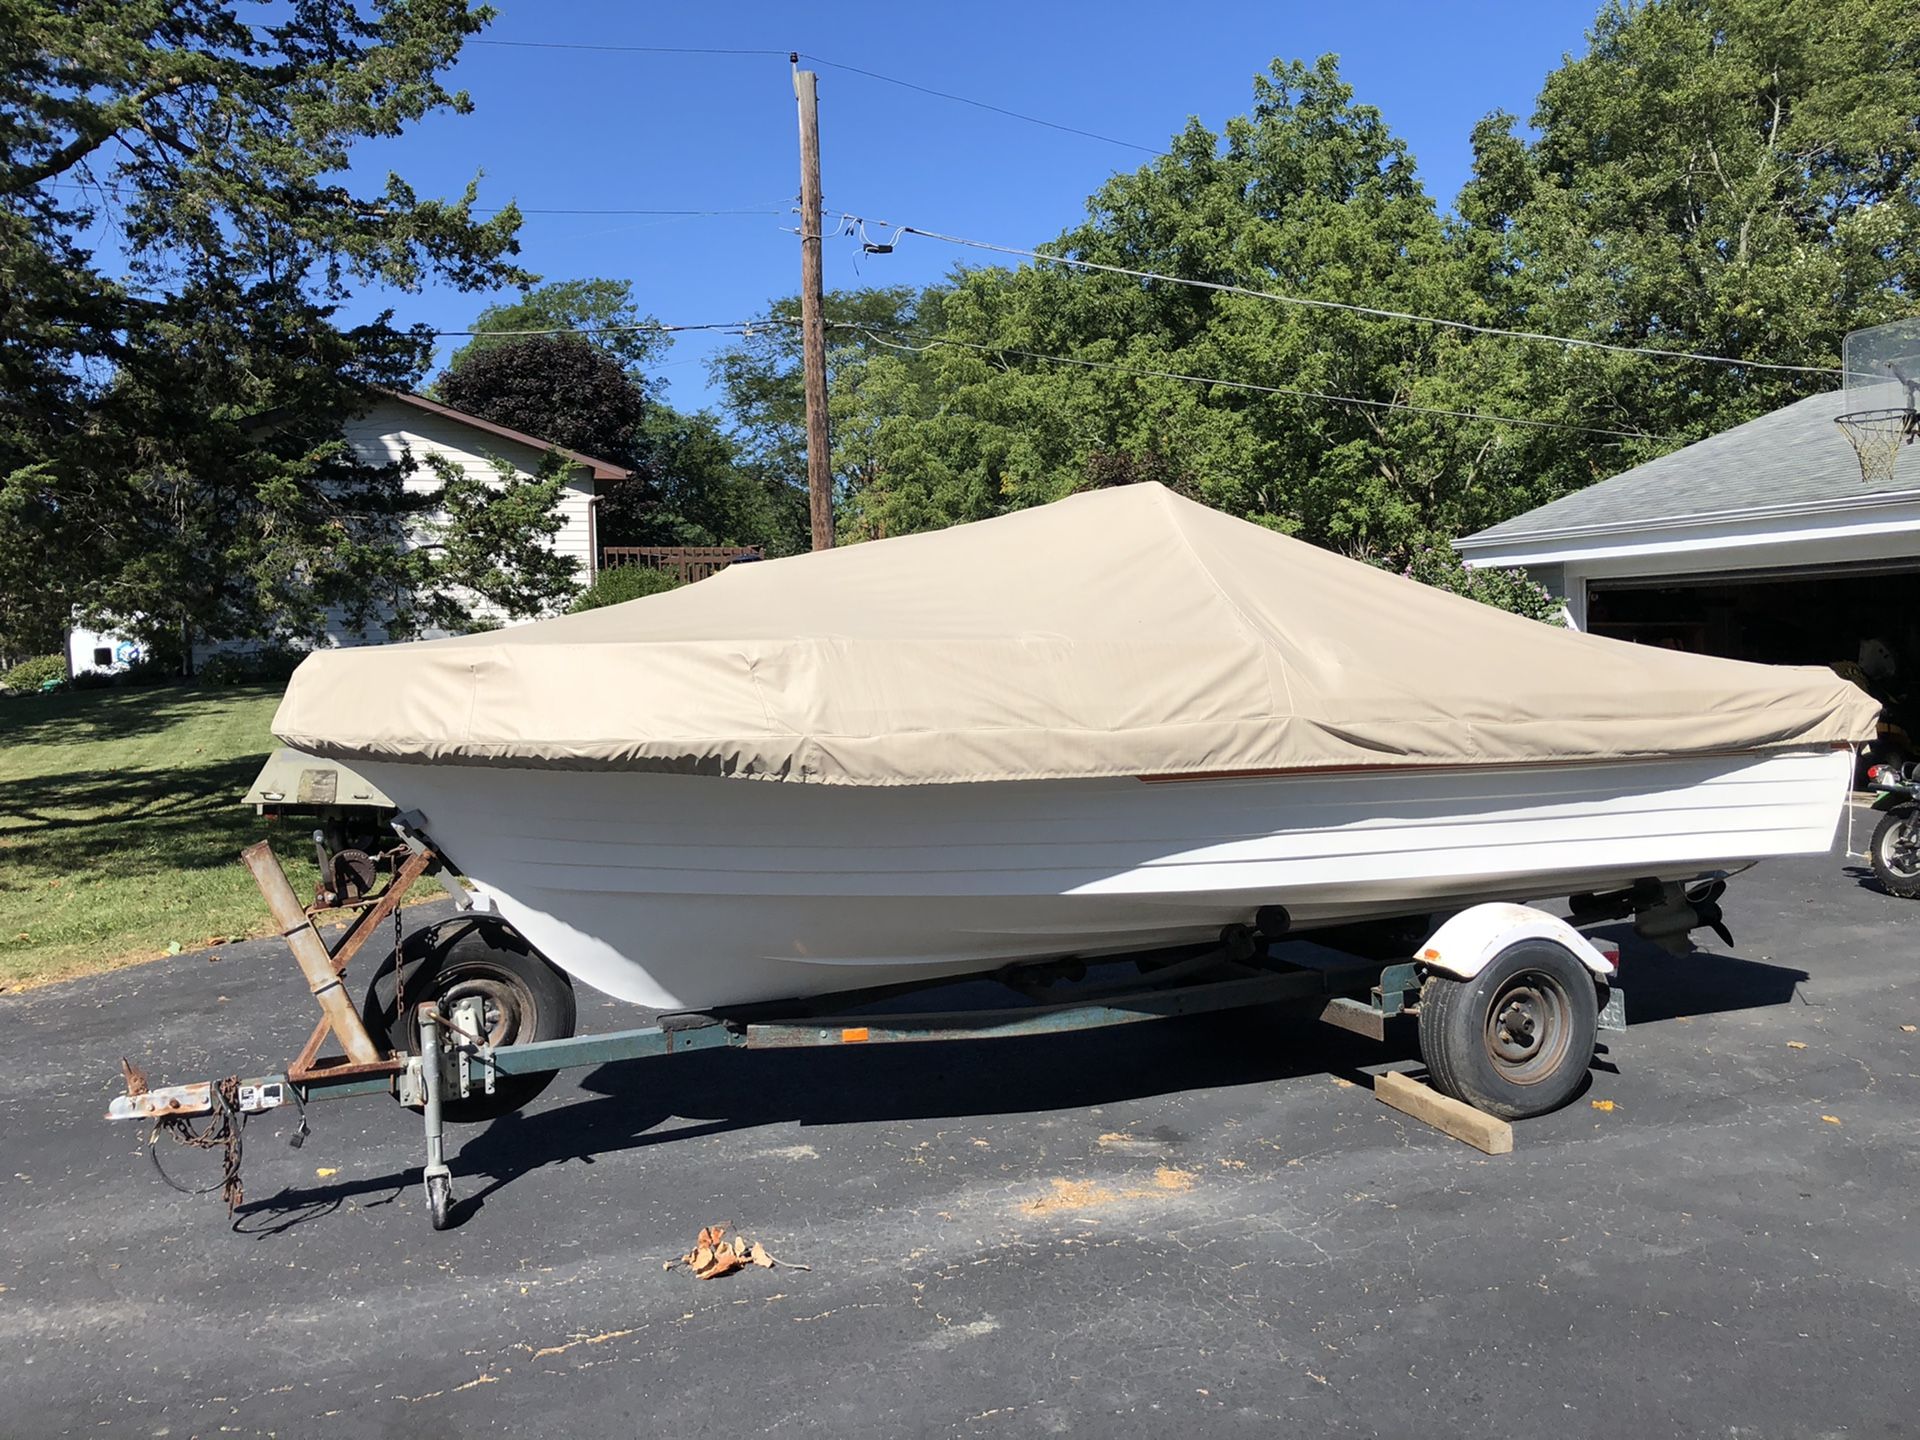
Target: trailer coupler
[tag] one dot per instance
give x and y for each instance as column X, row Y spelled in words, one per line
column 186, row 1102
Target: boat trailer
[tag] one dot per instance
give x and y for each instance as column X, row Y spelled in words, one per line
column 1524, row 1032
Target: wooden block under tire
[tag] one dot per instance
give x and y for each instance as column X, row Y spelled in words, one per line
column 1477, row 1128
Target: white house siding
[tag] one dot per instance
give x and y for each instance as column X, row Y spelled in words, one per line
column 393, row 429
column 576, row 536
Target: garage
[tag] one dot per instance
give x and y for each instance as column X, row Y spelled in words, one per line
column 1762, row 543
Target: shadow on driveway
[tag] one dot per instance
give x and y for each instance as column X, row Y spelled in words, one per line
column 727, row 1091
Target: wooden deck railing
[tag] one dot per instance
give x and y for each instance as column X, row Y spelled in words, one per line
column 689, row 562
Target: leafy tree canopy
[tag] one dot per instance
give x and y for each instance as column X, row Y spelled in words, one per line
column 171, row 418
column 1735, row 176
column 699, row 491
column 602, row 311
column 1310, row 194
column 1740, row 177
column 561, row 388
column 691, row 484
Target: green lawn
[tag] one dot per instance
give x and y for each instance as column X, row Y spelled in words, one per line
column 121, row 826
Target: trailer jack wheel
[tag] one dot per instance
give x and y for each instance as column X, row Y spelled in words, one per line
column 440, row 1200
column 434, row 1082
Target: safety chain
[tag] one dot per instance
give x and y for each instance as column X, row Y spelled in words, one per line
column 222, row 1133
column 399, row 966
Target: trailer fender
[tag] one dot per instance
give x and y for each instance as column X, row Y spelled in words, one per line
column 1464, row 944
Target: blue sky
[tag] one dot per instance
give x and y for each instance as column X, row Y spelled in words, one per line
column 585, row 129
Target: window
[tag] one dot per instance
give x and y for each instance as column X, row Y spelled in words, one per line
column 103, row 656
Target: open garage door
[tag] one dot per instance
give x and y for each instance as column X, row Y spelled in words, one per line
column 1864, row 620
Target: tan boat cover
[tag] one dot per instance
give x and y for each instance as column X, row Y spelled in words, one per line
column 1118, row 632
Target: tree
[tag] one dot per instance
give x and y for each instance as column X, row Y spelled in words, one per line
column 170, row 426
column 1512, row 589
column 1740, row 177
column 602, row 310
column 1309, row 194
column 698, row 492
column 689, row 486
column 766, row 402
column 572, row 393
column 558, row 387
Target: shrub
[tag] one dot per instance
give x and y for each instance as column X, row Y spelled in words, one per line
column 247, row 667
column 1512, row 590
column 622, row 583
column 147, row 670
column 43, row 672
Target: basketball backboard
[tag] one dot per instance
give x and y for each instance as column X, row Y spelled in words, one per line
column 1882, row 380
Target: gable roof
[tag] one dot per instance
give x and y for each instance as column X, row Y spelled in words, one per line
column 1787, row 459
column 598, row 469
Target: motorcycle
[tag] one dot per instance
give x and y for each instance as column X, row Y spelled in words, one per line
column 1896, row 840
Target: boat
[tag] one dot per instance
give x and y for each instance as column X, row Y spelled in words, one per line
column 1118, row 722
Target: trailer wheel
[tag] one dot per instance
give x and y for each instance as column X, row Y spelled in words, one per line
column 1516, row 1039
column 1896, row 852
column 524, row 996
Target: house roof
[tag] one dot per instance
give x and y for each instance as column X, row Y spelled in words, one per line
column 598, row 469
column 1786, row 460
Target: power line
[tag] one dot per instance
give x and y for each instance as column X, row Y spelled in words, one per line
column 981, row 105
column 646, row 327
column 1226, row 288
column 625, row 49
column 527, row 210
column 874, row 333
column 831, row 65
column 111, row 187
column 542, row 210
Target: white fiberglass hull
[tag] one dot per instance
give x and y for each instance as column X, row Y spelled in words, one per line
column 684, row 892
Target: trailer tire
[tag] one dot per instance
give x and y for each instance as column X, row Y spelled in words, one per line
column 527, row 998
column 1517, row 1038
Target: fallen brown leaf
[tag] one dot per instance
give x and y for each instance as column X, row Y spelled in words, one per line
column 713, row 1255
column 720, row 1262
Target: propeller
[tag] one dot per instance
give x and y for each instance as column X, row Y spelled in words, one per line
column 1706, row 907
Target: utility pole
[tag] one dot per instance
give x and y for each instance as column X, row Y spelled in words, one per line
column 813, row 325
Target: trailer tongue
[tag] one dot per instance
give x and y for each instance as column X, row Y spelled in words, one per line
column 1507, row 1001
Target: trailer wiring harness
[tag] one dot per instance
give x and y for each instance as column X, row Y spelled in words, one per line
column 222, row 1132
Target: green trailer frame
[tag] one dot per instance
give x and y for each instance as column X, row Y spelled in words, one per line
column 1245, row 969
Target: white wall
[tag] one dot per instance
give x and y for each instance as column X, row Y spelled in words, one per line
column 393, row 429
column 84, row 647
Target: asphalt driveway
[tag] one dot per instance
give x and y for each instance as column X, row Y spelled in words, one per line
column 1197, row 1227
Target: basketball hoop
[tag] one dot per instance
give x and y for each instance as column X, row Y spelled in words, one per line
column 1882, row 378
column 1876, row 437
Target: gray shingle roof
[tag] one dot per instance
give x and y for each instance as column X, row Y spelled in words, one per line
column 1794, row 455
